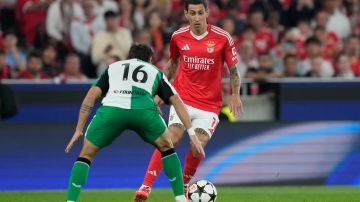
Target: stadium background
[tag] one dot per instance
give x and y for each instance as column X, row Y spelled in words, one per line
column 294, row 130
column 314, row 140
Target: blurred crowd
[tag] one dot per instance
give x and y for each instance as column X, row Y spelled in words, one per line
column 74, row 40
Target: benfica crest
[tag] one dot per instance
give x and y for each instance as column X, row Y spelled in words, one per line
column 210, row 46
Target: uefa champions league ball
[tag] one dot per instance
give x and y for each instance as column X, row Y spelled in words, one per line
column 202, row 191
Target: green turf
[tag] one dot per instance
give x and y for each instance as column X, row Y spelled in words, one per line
column 226, row 194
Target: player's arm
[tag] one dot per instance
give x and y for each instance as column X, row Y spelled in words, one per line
column 100, row 87
column 168, row 94
column 236, row 105
column 171, row 68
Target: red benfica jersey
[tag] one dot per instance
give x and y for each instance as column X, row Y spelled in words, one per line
column 198, row 79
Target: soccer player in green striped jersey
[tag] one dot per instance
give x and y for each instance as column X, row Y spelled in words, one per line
column 129, row 87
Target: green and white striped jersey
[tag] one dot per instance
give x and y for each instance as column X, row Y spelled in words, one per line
column 132, row 84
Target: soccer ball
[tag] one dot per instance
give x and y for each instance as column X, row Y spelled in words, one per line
column 202, row 191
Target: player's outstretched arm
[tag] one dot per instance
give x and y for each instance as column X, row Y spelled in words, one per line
column 185, row 119
column 93, row 94
column 236, row 105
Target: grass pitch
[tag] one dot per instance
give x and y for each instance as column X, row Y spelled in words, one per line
column 225, row 194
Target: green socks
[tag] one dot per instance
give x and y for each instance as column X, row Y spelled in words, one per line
column 79, row 175
column 172, row 168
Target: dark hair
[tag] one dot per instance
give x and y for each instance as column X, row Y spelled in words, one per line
column 288, row 56
column 312, row 40
column 34, row 54
column 140, row 51
column 203, row 2
column 110, row 14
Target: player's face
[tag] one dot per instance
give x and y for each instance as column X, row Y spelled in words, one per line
column 196, row 15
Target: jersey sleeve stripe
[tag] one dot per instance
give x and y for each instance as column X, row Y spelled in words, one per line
column 229, row 38
column 180, row 31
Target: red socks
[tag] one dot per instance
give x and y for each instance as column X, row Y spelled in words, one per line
column 154, row 169
column 191, row 165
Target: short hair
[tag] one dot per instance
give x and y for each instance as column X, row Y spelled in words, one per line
column 110, row 14
column 312, row 40
column 140, row 51
column 203, row 2
column 289, row 56
column 34, row 54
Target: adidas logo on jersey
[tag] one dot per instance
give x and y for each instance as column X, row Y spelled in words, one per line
column 186, row 47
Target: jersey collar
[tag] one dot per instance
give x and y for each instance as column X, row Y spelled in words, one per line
column 199, row 37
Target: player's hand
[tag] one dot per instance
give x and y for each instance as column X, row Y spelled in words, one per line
column 197, row 145
column 73, row 140
column 158, row 102
column 236, row 105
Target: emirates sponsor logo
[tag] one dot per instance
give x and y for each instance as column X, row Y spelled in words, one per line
column 198, row 63
column 198, row 60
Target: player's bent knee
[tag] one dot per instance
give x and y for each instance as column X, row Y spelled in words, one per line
column 164, row 143
column 89, row 150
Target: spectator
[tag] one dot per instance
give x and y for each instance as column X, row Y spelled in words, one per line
column 50, row 61
column 30, row 17
column 14, row 57
column 344, row 67
column 301, row 10
column 331, row 43
column 228, row 24
column 141, row 9
column 290, row 66
column 154, row 24
column 264, row 71
column 1, row 40
column 114, row 40
column 316, row 64
column 264, row 39
column 7, row 11
column 338, row 22
column 285, row 47
column 34, row 68
column 58, row 21
column 246, row 57
column 143, row 36
column 82, row 33
column 310, row 64
column 71, row 70
column 101, row 6
column 274, row 24
column 352, row 49
column 5, row 69
column 299, row 35
column 125, row 18
column 161, row 64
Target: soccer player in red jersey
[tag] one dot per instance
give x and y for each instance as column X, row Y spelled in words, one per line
column 197, row 55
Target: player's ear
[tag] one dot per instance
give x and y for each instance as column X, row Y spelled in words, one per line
column 186, row 14
column 151, row 60
column 206, row 13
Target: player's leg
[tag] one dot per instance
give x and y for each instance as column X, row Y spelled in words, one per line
column 102, row 131
column 154, row 131
column 204, row 124
column 172, row 165
column 155, row 165
column 80, row 170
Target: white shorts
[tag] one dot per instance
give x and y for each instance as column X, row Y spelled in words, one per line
column 199, row 118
